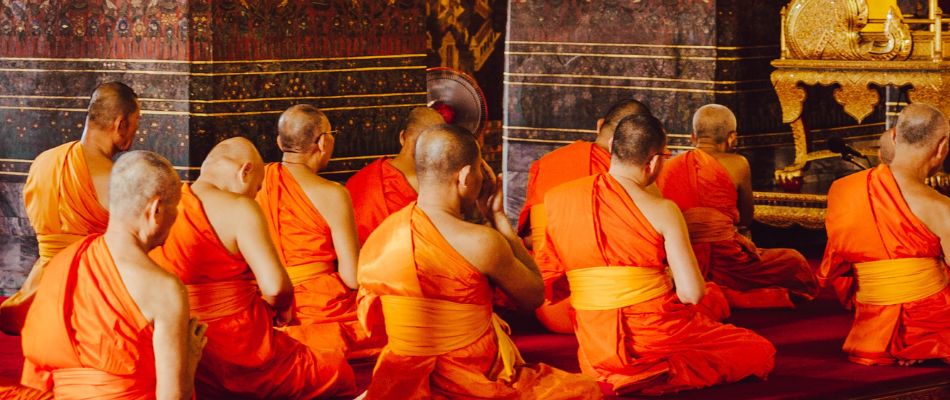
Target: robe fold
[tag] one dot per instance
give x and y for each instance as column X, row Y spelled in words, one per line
column 325, row 306
column 85, row 337
column 648, row 342
column 576, row 160
column 750, row 277
column 378, row 190
column 410, row 279
column 245, row 356
column 62, row 206
column 902, row 308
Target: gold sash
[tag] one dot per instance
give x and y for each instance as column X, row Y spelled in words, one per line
column 301, row 273
column 51, row 244
column 608, row 288
column 898, row 281
column 418, row 326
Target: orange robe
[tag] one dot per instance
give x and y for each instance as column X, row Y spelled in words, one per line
column 85, row 337
column 749, row 276
column 868, row 220
column 325, row 306
column 62, row 206
column 407, row 256
column 245, row 356
column 377, row 190
column 657, row 345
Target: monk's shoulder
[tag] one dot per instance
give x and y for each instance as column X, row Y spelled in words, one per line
column 155, row 290
column 482, row 245
column 734, row 162
column 327, row 195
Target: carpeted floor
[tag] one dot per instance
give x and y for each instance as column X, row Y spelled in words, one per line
column 809, row 364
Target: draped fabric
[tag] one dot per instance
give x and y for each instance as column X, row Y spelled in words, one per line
column 408, row 257
column 245, row 356
column 325, row 306
column 85, row 337
column 869, row 221
column 750, row 277
column 378, row 190
column 652, row 346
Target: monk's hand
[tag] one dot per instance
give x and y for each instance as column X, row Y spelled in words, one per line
column 196, row 340
column 285, row 318
column 486, row 192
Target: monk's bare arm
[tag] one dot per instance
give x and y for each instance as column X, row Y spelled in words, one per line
column 744, row 185
column 343, row 232
column 690, row 286
column 936, row 216
column 254, row 243
column 519, row 280
column 174, row 365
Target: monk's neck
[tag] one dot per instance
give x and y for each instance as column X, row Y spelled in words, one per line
column 711, row 147
column 909, row 169
column 300, row 161
column 440, row 199
column 629, row 176
column 97, row 143
column 405, row 163
column 603, row 142
column 120, row 237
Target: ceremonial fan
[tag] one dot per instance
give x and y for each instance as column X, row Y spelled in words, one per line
column 458, row 98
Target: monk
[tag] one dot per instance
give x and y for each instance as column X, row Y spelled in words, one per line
column 618, row 243
column 311, row 224
column 221, row 250
column 67, row 190
column 712, row 186
column 426, row 280
column 891, row 232
column 389, row 184
column 107, row 322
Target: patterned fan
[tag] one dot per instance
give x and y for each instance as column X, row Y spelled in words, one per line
column 458, row 98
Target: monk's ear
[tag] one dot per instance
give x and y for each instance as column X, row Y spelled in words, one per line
column 465, row 175
column 600, row 124
column 402, row 138
column 654, row 164
column 245, row 172
column 153, row 209
column 732, row 139
column 942, row 148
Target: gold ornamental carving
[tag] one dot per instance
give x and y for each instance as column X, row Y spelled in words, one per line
column 831, row 30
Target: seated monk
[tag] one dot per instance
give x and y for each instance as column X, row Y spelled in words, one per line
column 67, row 190
column 426, row 279
column 713, row 188
column 221, row 250
column 389, row 184
column 618, row 243
column 106, row 321
column 311, row 224
column 891, row 232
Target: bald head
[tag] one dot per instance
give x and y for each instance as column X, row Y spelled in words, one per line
column 420, row 119
column 920, row 125
column 299, row 127
column 714, row 121
column 138, row 177
column 620, row 110
column 637, row 139
column 443, row 150
column 110, row 101
column 234, row 165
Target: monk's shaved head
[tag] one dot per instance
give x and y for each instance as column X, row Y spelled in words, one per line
column 620, row 110
column 236, row 150
column 420, row 119
column 299, row 127
column 714, row 121
column 443, row 150
column 637, row 139
column 920, row 125
column 137, row 178
column 111, row 100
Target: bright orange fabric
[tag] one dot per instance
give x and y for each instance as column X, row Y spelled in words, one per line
column 245, row 355
column 325, row 306
column 868, row 220
column 378, row 190
column 751, row 277
column 407, row 256
column 656, row 346
column 85, row 337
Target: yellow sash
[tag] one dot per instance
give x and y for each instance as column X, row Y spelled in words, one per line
column 539, row 223
column 301, row 273
column 51, row 244
column 418, row 326
column 608, row 288
column 901, row 280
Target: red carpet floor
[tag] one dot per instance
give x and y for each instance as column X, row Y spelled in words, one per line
column 809, row 364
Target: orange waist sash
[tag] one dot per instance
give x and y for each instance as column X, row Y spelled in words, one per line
column 73, row 383
column 898, row 281
column 215, row 300
column 609, row 288
column 304, row 272
column 708, row 225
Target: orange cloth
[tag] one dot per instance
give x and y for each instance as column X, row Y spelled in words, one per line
column 62, row 206
column 868, row 220
column 245, row 355
column 655, row 346
column 407, row 256
column 85, row 337
column 325, row 306
column 751, row 277
column 377, row 190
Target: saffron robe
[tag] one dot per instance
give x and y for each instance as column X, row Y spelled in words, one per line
column 377, row 190
column 325, row 306
column 85, row 337
column 62, row 206
column 408, row 257
column 869, row 220
column 245, row 356
column 655, row 346
column 750, row 277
